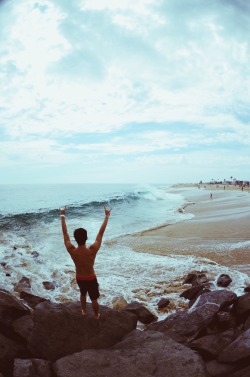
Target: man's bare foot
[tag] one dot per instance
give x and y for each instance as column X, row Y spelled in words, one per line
column 84, row 313
column 98, row 316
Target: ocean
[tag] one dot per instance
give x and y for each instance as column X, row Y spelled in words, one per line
column 31, row 242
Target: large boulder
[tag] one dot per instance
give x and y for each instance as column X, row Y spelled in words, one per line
column 184, row 326
column 9, row 350
column 224, row 280
column 33, row 368
column 223, row 320
column 193, row 293
column 210, row 346
column 10, row 309
column 60, row 329
column 30, row 299
column 247, row 324
column 216, row 369
column 238, row 350
column 23, row 285
column 222, row 297
column 142, row 313
column 196, row 278
column 242, row 307
column 23, row 327
column 140, row 354
column 243, row 372
column 163, row 303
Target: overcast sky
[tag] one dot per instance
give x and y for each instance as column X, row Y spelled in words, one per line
column 124, row 91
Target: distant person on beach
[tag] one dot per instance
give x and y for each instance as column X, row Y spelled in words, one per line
column 211, row 196
column 84, row 259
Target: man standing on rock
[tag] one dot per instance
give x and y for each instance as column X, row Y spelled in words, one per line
column 84, row 259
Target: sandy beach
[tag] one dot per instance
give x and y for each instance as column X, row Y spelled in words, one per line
column 218, row 231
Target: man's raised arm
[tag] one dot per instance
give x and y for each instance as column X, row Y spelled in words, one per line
column 66, row 238
column 97, row 244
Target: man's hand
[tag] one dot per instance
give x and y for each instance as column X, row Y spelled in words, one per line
column 63, row 211
column 107, row 211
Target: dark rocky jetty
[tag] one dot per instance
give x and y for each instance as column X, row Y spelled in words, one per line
column 40, row 338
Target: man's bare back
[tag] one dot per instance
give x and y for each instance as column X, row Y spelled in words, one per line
column 84, row 259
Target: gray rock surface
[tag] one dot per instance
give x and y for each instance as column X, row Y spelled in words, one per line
column 185, row 326
column 32, row 368
column 30, row 299
column 140, row 354
column 60, row 329
column 10, row 308
column 216, row 369
column 212, row 345
column 9, row 350
column 242, row 307
column 237, row 350
column 221, row 297
column 23, row 326
column 224, row 280
column 142, row 313
column 23, row 285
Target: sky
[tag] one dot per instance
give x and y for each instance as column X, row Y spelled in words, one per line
column 108, row 91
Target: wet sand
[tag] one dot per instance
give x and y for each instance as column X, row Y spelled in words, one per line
column 219, row 230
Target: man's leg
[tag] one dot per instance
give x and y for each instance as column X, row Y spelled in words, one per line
column 83, row 303
column 95, row 306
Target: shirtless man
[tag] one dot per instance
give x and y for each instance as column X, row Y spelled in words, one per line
column 84, row 259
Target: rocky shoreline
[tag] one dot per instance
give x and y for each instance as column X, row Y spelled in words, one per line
column 39, row 338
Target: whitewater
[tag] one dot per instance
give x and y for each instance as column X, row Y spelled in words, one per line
column 31, row 242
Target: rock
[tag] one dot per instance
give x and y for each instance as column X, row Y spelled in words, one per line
column 247, row 324
column 184, row 326
column 210, row 346
column 23, row 327
column 10, row 309
column 30, row 299
column 223, row 298
column 140, row 354
column 33, row 368
column 23, row 285
column 192, row 292
column 163, row 303
column 196, row 278
column 35, row 254
column 245, row 372
column 142, row 313
column 10, row 349
column 237, row 350
column 223, row 321
column 60, row 329
column 48, row 285
column 242, row 308
column 247, row 289
column 216, row 369
column 119, row 302
column 224, row 280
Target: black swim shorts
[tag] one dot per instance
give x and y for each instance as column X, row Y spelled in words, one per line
column 89, row 286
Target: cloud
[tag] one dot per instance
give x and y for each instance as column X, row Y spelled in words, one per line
column 125, row 79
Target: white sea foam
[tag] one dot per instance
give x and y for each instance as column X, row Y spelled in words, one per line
column 136, row 276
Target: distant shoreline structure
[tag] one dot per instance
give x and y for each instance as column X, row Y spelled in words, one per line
column 217, row 185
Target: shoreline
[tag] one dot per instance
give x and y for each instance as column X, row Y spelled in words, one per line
column 219, row 230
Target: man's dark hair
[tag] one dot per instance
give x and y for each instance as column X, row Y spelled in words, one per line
column 80, row 235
